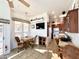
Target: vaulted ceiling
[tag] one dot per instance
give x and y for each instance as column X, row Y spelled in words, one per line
column 41, row 6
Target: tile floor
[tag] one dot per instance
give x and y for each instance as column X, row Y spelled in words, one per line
column 38, row 52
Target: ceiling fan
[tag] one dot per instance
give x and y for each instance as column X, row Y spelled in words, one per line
column 22, row 1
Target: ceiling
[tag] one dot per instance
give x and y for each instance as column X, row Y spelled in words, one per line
column 78, row 2
column 41, row 6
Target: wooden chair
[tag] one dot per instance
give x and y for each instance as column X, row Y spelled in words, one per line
column 33, row 41
column 20, row 44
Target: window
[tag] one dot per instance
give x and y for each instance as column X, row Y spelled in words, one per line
column 56, row 32
column 25, row 29
column 21, row 29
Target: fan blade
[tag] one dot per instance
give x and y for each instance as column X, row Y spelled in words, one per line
column 10, row 4
column 24, row 2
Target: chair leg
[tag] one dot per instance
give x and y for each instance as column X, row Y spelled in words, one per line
column 17, row 49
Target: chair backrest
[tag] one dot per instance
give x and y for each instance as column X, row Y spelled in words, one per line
column 17, row 39
column 35, row 38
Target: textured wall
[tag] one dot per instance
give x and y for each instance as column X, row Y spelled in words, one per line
column 78, row 21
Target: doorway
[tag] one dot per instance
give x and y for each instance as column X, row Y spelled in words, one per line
column 4, row 38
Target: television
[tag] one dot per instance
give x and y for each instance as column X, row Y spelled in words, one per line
column 40, row 25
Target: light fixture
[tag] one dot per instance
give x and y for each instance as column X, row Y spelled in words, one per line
column 10, row 0
column 56, row 23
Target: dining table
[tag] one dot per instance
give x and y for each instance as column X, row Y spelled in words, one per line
column 27, row 41
column 28, row 38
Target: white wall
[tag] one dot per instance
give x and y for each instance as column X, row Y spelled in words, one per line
column 4, row 10
column 18, row 15
column 13, row 41
column 5, row 14
column 74, row 38
column 78, row 21
column 76, row 4
column 71, row 7
column 39, row 32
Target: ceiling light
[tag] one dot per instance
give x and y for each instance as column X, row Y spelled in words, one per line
column 10, row 0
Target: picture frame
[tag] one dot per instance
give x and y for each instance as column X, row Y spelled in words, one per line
column 33, row 26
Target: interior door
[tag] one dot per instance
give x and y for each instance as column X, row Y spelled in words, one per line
column 1, row 38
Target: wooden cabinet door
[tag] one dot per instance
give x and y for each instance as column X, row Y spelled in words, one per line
column 73, row 20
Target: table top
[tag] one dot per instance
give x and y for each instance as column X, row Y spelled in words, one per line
column 28, row 38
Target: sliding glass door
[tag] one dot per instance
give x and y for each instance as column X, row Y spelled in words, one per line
column 1, row 38
column 4, row 37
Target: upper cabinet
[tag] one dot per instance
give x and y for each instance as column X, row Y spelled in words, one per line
column 71, row 21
